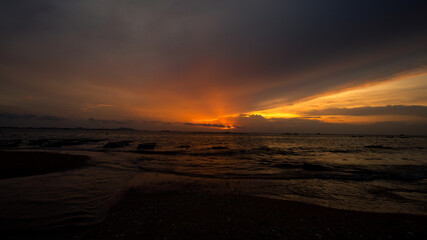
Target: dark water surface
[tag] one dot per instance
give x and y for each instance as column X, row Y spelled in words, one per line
column 371, row 173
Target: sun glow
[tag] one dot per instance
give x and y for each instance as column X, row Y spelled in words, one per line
column 409, row 90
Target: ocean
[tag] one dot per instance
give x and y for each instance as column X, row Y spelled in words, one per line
column 357, row 172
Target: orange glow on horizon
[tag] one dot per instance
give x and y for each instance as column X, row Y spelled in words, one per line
column 409, row 90
column 213, row 107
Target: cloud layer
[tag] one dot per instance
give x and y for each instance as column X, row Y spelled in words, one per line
column 373, row 111
column 185, row 61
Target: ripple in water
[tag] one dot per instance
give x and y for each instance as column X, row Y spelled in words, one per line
column 373, row 173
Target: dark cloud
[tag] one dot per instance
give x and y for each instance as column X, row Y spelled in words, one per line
column 257, row 54
column 11, row 116
column 372, row 111
column 102, row 121
column 244, row 38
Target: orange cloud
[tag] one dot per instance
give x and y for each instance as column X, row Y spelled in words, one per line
column 408, row 90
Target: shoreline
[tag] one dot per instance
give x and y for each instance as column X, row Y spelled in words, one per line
column 173, row 214
column 167, row 206
column 199, row 214
column 159, row 206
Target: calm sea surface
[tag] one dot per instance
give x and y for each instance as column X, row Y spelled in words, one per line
column 371, row 173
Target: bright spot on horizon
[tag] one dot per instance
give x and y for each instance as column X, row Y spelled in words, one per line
column 408, row 91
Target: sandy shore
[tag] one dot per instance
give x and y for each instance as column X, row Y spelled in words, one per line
column 198, row 210
column 23, row 163
column 164, row 206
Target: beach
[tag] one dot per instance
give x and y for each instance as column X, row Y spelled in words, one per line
column 172, row 215
column 169, row 207
column 241, row 119
column 220, row 186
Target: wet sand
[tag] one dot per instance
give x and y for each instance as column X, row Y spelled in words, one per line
column 23, row 163
column 165, row 206
column 202, row 209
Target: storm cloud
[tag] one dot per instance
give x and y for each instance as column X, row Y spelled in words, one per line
column 181, row 60
column 11, row 116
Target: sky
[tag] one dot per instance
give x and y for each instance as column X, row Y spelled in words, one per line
column 307, row 66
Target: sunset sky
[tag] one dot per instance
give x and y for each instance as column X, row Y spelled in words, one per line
column 249, row 66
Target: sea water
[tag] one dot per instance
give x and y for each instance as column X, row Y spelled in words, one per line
column 368, row 173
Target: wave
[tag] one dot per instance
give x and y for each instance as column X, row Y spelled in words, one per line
column 306, row 171
column 305, row 166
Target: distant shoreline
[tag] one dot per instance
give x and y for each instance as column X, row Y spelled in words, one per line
column 213, row 132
